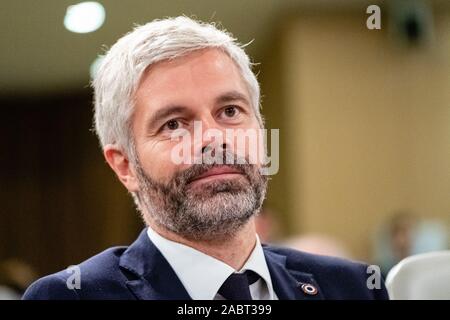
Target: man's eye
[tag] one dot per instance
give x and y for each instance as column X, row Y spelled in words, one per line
column 231, row 111
column 172, row 124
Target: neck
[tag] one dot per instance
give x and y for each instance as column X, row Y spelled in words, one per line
column 233, row 251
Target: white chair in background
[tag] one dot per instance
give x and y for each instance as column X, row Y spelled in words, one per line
column 423, row 276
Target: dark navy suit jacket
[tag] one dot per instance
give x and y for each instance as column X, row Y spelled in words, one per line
column 141, row 272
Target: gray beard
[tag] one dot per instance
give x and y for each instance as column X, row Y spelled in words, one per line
column 215, row 210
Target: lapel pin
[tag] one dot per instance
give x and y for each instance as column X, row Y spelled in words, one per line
column 309, row 289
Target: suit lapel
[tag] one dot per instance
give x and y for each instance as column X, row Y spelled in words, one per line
column 288, row 283
column 155, row 278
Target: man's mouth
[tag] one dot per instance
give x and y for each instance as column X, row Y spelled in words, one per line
column 222, row 172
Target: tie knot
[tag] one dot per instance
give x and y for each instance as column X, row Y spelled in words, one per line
column 237, row 286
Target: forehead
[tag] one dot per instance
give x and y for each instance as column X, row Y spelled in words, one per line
column 198, row 75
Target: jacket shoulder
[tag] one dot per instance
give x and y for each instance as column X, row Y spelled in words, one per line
column 99, row 276
column 338, row 278
column 51, row 287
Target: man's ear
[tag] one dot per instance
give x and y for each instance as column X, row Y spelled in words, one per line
column 118, row 161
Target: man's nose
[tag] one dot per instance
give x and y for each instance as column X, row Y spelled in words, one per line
column 211, row 139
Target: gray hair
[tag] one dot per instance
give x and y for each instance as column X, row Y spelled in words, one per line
column 121, row 69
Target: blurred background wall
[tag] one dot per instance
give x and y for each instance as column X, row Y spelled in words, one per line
column 367, row 125
column 364, row 119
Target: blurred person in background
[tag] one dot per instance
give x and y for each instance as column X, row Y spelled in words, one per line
column 404, row 235
column 15, row 277
column 318, row 244
column 268, row 230
column 267, row 226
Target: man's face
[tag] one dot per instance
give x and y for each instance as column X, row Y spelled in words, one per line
column 195, row 200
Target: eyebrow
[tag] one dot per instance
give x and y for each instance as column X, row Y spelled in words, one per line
column 164, row 113
column 170, row 110
column 232, row 96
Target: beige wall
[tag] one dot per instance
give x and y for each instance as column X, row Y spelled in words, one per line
column 366, row 126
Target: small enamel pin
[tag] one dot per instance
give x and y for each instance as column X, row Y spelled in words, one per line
column 308, row 289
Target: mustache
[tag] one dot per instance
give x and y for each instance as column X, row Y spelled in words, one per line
column 181, row 179
column 239, row 164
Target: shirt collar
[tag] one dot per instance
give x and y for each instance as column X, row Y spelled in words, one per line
column 202, row 275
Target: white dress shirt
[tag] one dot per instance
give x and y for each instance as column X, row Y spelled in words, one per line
column 202, row 275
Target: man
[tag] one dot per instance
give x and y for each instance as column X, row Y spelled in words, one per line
column 159, row 82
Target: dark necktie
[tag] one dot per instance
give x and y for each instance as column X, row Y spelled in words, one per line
column 237, row 286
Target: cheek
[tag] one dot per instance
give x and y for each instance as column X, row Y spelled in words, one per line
column 156, row 161
column 248, row 142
